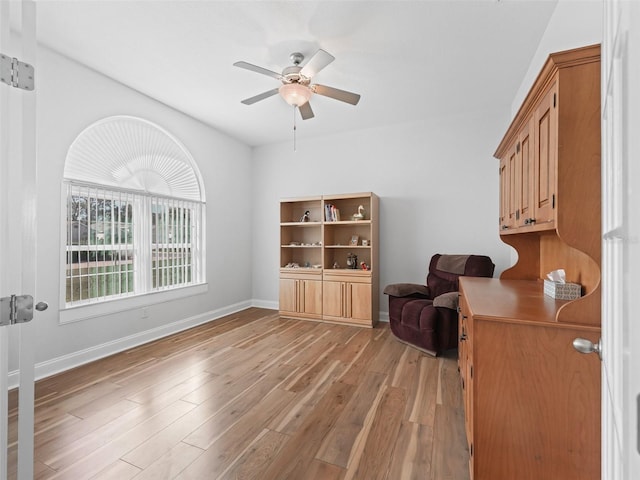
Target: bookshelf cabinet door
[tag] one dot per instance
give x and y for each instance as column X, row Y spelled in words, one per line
column 360, row 300
column 333, row 299
column 288, row 295
column 312, row 294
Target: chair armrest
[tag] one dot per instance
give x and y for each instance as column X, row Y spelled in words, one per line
column 447, row 300
column 406, row 290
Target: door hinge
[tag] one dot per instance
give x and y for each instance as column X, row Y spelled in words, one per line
column 16, row 309
column 15, row 73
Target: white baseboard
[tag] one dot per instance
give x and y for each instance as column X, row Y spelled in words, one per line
column 271, row 305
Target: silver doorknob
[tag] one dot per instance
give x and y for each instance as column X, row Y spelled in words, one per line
column 42, row 306
column 586, row 346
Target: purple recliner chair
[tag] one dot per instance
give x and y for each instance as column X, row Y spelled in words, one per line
column 426, row 316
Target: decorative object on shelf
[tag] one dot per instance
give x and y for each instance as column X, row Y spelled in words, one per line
column 359, row 215
column 354, row 240
column 336, row 265
column 365, row 243
column 305, row 217
column 292, row 265
column 352, row 261
column 364, row 266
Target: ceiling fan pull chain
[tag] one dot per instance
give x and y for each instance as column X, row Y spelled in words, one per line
column 294, row 128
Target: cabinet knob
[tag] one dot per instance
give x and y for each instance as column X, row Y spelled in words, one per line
column 463, row 337
column 504, row 227
column 586, row 346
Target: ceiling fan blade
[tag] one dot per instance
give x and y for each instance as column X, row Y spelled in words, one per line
column 255, row 68
column 262, row 96
column 305, row 111
column 342, row 95
column 316, row 63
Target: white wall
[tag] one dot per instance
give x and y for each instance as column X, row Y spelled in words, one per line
column 574, row 23
column 70, row 97
column 437, row 183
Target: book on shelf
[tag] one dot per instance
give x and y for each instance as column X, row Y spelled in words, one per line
column 331, row 213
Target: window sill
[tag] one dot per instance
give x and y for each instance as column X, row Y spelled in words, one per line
column 94, row 310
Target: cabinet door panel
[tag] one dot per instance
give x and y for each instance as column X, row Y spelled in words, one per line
column 514, row 186
column 538, row 403
column 546, row 141
column 504, row 193
column 525, row 179
column 312, row 296
column 360, row 301
column 333, row 299
column 288, row 295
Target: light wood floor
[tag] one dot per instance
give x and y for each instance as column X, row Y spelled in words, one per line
column 254, row 396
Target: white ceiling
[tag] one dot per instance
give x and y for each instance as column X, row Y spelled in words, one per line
column 408, row 59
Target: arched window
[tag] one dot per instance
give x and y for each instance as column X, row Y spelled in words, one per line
column 134, row 215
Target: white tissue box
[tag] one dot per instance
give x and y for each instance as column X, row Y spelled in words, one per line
column 562, row 291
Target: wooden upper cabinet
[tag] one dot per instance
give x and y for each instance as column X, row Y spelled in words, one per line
column 553, row 137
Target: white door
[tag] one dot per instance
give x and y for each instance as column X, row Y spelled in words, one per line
column 621, row 240
column 17, row 236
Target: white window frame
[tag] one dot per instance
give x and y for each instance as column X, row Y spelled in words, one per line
column 144, row 293
column 168, row 151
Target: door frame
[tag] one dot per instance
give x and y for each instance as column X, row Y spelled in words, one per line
column 620, row 242
column 18, row 202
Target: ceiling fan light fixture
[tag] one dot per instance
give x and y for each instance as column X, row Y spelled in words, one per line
column 295, row 94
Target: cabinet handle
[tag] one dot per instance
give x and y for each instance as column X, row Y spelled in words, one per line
column 529, row 221
column 504, row 227
column 463, row 337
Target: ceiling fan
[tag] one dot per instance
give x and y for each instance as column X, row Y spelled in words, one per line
column 296, row 86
